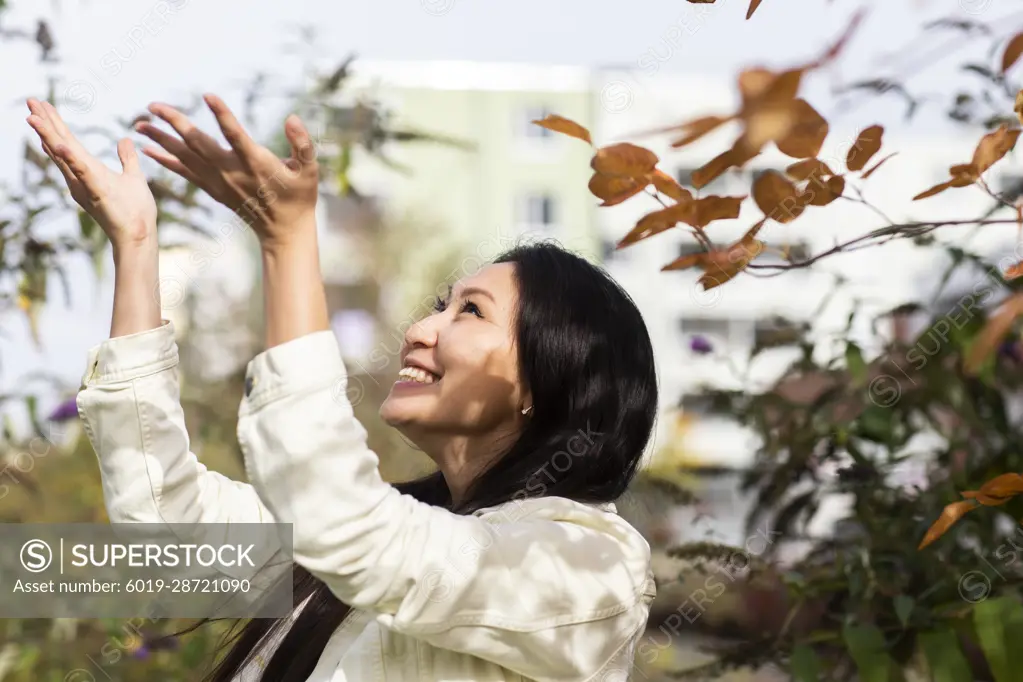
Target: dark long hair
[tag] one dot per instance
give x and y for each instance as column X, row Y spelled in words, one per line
column 585, row 354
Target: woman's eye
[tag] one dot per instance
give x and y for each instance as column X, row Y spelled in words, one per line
column 439, row 304
column 470, row 304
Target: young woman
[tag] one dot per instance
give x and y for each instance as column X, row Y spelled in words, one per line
column 532, row 386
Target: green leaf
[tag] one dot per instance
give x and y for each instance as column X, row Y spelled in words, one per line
column 866, row 645
column 904, row 608
column 855, row 363
column 998, row 623
column 86, row 225
column 944, row 657
column 804, row 665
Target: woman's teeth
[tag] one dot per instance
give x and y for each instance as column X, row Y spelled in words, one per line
column 416, row 374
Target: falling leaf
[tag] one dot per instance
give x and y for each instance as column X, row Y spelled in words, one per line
column 665, row 184
column 994, row 146
column 753, row 4
column 949, row 516
column 614, row 189
column 806, row 135
column 995, row 329
column 624, row 158
column 867, row 143
column 870, row 171
column 697, row 128
column 560, row 124
column 802, row 170
column 1012, row 52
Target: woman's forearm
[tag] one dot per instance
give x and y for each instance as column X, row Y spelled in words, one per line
column 294, row 299
column 136, row 288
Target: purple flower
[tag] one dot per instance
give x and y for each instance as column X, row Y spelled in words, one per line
column 1010, row 350
column 700, row 345
column 141, row 652
column 66, row 411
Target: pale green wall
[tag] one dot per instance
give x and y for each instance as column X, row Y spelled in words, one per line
column 470, row 195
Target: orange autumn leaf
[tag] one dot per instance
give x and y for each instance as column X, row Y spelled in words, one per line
column 655, row 223
column 667, row 185
column 867, row 143
column 624, row 158
column 560, row 124
column 706, row 210
column 995, row 329
column 870, row 171
column 963, row 174
column 949, row 516
column 806, row 134
column 983, row 499
column 993, row 147
column 1018, row 106
column 722, row 266
column 753, row 4
column 1013, row 50
column 736, row 157
column 614, row 189
column 824, row 192
column 697, row 128
column 1006, row 485
column 802, row 170
column 1014, row 271
column 777, row 197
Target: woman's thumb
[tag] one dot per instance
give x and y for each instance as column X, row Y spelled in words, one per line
column 302, row 148
column 129, row 158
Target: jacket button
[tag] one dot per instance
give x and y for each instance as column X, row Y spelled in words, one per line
column 250, row 381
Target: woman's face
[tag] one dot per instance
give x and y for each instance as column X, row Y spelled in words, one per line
column 468, row 349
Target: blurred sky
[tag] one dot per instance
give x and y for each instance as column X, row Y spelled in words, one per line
column 181, row 47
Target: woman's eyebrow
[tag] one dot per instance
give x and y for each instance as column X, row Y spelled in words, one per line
column 473, row 290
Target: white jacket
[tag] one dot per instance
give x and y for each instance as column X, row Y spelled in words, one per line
column 539, row 589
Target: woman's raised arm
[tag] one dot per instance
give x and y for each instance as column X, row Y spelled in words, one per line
column 129, row 402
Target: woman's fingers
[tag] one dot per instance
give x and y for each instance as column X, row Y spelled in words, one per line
column 302, row 149
column 174, row 146
column 69, row 177
column 173, row 164
column 234, row 133
column 199, row 142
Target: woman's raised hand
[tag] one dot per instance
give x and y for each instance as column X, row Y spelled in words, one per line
column 121, row 203
column 276, row 197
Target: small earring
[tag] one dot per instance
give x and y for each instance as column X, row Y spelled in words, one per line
column 527, row 409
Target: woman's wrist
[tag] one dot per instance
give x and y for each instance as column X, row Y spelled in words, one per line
column 297, row 236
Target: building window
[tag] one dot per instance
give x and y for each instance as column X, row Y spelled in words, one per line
column 714, row 332
column 530, row 130
column 1010, row 186
column 775, row 331
column 608, row 251
column 537, row 212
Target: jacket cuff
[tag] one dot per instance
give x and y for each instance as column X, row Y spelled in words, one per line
column 124, row 358
column 302, row 365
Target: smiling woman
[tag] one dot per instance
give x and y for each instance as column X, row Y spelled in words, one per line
column 531, row 385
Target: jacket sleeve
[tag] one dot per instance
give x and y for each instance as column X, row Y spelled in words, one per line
column 549, row 598
column 130, row 408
